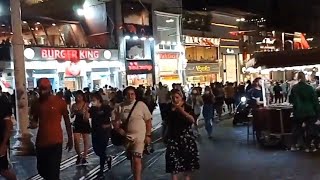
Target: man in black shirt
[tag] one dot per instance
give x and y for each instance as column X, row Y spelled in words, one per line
column 6, row 127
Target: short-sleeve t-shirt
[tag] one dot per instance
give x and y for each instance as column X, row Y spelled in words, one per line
column 50, row 114
column 100, row 116
column 136, row 128
column 177, row 122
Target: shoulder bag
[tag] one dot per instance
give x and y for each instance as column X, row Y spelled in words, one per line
column 116, row 138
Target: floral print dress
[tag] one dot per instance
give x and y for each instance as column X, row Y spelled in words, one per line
column 182, row 152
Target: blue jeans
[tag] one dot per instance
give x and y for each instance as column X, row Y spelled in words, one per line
column 208, row 126
column 208, row 115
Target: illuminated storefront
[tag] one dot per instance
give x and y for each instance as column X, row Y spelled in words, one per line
column 74, row 68
column 232, row 63
column 203, row 73
column 168, row 63
column 169, row 53
column 138, row 44
column 201, row 54
column 139, row 73
column 201, row 49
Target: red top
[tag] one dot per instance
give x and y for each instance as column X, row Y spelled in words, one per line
column 50, row 114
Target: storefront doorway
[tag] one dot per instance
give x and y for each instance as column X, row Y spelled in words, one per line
column 140, row 79
column 73, row 83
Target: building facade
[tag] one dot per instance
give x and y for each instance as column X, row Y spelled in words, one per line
column 73, row 53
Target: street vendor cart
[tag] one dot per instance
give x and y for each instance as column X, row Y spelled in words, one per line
column 272, row 124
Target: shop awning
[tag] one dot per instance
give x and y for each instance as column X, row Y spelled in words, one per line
column 285, row 58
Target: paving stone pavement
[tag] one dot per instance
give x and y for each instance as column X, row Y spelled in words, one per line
column 228, row 156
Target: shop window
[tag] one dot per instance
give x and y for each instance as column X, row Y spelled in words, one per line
column 54, row 35
column 138, row 49
column 168, row 31
column 201, row 54
column 5, row 34
column 80, row 35
column 140, row 79
column 194, row 21
column 39, row 34
column 68, row 35
column 27, row 35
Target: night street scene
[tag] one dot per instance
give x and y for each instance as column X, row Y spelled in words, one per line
column 159, row 89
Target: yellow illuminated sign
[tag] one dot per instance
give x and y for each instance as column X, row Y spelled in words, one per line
column 203, row 68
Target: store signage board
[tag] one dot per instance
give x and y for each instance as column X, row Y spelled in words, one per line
column 202, row 68
column 201, row 41
column 139, row 67
column 68, row 54
column 169, row 55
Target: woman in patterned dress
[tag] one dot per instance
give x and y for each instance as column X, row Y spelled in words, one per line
column 182, row 152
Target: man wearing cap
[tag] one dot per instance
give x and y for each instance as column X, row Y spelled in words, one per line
column 49, row 111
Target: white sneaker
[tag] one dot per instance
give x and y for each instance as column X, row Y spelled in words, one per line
column 293, row 149
column 314, row 150
column 307, row 150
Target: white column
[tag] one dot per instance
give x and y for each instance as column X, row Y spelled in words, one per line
column 23, row 145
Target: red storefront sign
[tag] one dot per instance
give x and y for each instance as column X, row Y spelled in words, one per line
column 135, row 66
column 69, row 54
column 169, row 55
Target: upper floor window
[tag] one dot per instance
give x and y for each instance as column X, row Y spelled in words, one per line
column 201, row 54
column 168, row 30
column 47, row 34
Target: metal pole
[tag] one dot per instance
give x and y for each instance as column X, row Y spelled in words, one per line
column 23, row 145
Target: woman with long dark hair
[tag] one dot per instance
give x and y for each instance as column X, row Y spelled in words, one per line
column 182, row 151
column 100, row 115
column 208, row 109
column 81, row 126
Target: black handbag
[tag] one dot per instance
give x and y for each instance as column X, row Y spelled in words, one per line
column 116, row 138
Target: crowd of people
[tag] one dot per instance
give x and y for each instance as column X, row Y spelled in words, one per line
column 126, row 111
column 111, row 113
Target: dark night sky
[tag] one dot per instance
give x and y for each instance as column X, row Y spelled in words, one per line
column 288, row 15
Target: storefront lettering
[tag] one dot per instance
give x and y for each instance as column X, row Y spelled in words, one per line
column 169, row 55
column 202, row 41
column 135, row 66
column 89, row 54
column 69, row 54
column 203, row 68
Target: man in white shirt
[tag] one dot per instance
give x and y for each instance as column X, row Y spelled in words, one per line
column 137, row 130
